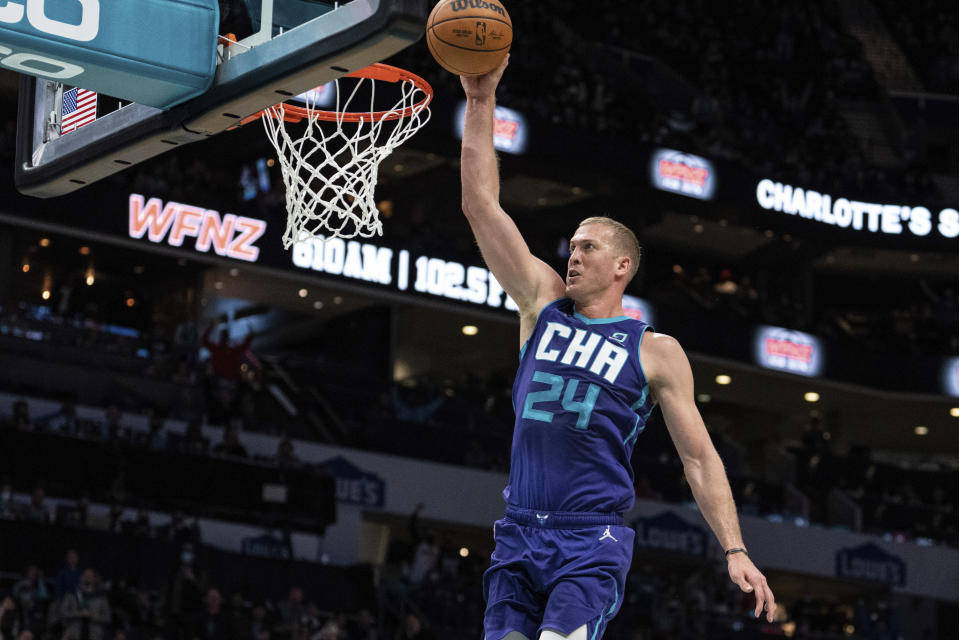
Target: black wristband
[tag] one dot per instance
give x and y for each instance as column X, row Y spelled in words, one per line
column 736, row 550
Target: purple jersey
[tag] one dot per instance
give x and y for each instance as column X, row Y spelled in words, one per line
column 581, row 399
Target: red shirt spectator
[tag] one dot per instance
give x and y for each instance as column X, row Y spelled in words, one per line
column 225, row 359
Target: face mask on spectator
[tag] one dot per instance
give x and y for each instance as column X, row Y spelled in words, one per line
column 186, row 557
column 88, row 587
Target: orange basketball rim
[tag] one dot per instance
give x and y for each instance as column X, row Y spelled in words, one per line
column 377, row 71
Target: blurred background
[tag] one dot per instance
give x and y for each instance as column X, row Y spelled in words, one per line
column 221, row 439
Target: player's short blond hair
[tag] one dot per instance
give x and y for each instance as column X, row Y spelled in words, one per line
column 624, row 238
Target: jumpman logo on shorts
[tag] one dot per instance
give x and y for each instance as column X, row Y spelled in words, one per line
column 607, row 534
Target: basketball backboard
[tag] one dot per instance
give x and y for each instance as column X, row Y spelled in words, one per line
column 284, row 48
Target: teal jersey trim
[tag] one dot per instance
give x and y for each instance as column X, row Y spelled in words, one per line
column 602, row 615
column 635, row 406
column 522, row 350
column 615, row 601
column 642, row 398
column 639, row 355
column 634, row 432
column 578, row 315
column 599, row 623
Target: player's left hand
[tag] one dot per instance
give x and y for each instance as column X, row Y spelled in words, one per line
column 744, row 573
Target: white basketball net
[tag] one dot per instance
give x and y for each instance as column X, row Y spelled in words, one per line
column 330, row 177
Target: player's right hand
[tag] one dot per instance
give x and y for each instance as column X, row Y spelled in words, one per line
column 484, row 86
column 744, row 573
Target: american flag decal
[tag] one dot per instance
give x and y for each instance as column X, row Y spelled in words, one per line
column 79, row 109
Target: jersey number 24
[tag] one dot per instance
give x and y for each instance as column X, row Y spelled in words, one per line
column 557, row 384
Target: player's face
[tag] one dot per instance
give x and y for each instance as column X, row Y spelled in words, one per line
column 592, row 261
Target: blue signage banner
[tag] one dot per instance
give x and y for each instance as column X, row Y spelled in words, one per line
column 870, row 562
column 154, row 52
column 355, row 486
column 669, row 532
column 266, row 546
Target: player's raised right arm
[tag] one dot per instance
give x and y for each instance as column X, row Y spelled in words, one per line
column 527, row 279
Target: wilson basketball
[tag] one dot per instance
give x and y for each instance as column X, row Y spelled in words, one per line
column 469, row 37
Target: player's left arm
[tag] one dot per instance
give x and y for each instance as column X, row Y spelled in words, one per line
column 671, row 382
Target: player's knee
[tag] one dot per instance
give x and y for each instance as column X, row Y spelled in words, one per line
column 549, row 634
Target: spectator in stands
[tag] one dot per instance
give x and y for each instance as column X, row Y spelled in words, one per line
column 64, row 420
column 145, row 612
column 363, row 627
column 426, row 553
column 333, row 630
column 292, row 612
column 186, row 591
column 726, row 285
column 178, row 530
column 310, row 625
column 413, row 629
column 186, row 340
column 237, row 616
column 26, row 634
column 231, row 445
column 68, row 578
column 140, row 526
column 284, row 453
column 38, row 510
column 211, row 623
column 9, row 618
column 86, row 610
column 156, row 438
column 193, row 439
column 815, row 438
column 21, row 416
column 31, row 595
column 225, row 360
column 116, row 518
column 113, row 428
column 260, row 628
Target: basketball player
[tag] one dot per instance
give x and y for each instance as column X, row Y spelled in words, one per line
column 588, row 379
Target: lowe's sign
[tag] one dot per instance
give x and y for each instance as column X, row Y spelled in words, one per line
column 669, row 532
column 266, row 546
column 871, row 563
column 117, row 47
column 355, row 486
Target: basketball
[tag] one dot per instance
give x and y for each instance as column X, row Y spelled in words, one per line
column 469, row 37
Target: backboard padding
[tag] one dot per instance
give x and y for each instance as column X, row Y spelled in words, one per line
column 340, row 41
